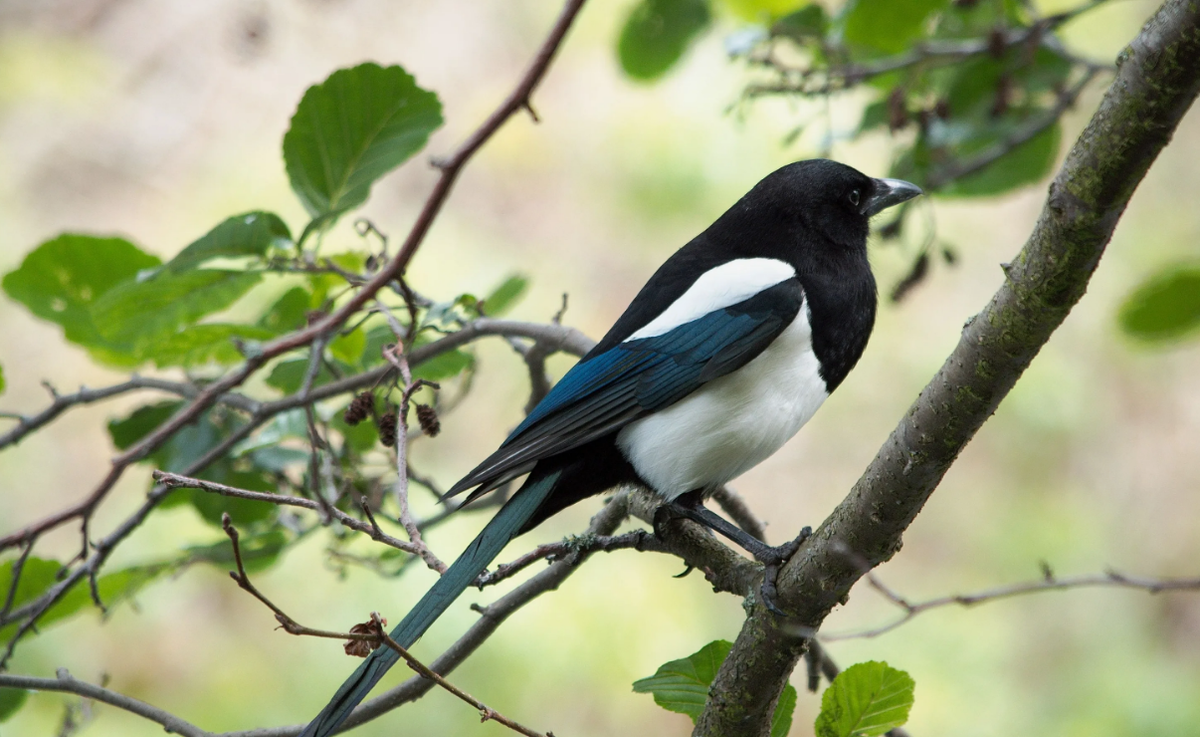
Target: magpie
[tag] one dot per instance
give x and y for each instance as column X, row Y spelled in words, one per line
column 728, row 349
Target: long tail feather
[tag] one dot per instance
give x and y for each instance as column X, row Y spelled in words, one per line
column 482, row 551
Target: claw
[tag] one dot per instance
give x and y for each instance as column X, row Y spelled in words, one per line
column 776, row 558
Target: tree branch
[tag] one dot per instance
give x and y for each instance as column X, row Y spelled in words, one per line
column 1048, row 582
column 517, row 100
column 1157, row 80
column 66, row 683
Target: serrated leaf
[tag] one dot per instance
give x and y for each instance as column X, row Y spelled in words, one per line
column 64, row 277
column 351, row 129
column 1165, row 306
column 11, row 701
column 140, row 312
column 656, row 34
column 248, row 234
column 865, row 700
column 200, row 345
column 886, row 25
column 506, row 295
column 682, row 685
column 1026, row 164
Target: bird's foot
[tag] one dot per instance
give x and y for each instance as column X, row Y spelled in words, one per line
column 773, row 560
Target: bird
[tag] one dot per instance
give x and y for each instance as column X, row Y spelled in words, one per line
column 728, row 349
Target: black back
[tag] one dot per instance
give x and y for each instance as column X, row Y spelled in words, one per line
column 802, row 213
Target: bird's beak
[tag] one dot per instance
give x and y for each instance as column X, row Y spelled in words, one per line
column 889, row 192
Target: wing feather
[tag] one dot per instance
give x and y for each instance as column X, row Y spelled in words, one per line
column 605, row 392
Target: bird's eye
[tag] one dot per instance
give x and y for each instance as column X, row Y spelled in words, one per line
column 854, row 195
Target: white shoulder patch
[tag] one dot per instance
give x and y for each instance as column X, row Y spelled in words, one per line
column 718, row 288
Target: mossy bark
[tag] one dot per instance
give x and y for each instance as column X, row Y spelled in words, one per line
column 1157, row 80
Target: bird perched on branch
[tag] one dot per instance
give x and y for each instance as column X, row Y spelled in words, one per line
column 726, row 352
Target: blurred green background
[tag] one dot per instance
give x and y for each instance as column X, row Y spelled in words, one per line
column 155, row 119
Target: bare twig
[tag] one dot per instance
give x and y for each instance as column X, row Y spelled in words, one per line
column 486, row 712
column 573, row 550
column 288, row 624
column 174, row 480
column 62, row 402
column 327, row 325
column 395, row 356
column 66, row 683
column 1108, row 579
column 1018, row 137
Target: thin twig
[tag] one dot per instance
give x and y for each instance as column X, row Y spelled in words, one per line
column 395, row 356
column 573, row 550
column 1048, row 582
column 486, row 713
column 327, row 325
column 66, row 683
column 1022, row 135
column 175, row 480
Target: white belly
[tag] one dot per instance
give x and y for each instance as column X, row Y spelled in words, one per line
column 731, row 424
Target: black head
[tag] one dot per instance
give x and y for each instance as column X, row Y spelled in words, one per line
column 824, row 198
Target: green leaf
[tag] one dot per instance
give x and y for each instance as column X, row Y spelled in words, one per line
column 443, row 366
column 781, row 720
column 11, row 701
column 289, row 312
column 865, row 700
column 682, row 685
column 506, row 295
column 351, row 129
column 39, row 575
column 1165, row 306
column 259, row 550
column 290, row 424
column 657, row 33
column 2, row 383
column 249, row 234
column 1026, row 164
column 199, row 345
column 811, row 21
column 62, row 278
column 288, row 375
column 144, row 311
column 348, row 348
column 140, row 423
column 241, row 511
column 361, row 437
column 886, row 25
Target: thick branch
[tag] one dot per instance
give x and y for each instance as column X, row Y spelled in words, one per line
column 1157, row 81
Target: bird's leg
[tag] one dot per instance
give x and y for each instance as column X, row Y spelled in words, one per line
column 690, row 506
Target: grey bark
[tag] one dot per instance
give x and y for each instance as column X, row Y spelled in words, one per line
column 1157, row 80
